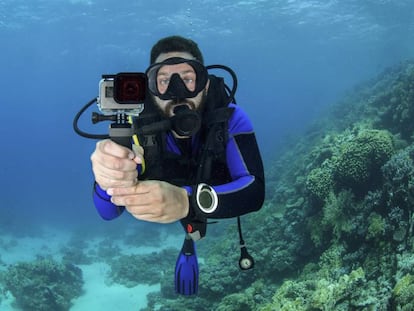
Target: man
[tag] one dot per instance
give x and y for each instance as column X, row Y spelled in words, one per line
column 115, row 167
column 213, row 170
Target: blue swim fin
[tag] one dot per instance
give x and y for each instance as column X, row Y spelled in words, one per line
column 186, row 269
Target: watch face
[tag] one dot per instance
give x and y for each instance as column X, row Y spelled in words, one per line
column 206, row 199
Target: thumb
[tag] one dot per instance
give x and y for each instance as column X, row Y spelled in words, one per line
column 138, row 154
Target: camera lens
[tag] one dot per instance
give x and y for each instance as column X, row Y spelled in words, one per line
column 129, row 88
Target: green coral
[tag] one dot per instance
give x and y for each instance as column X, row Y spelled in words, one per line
column 331, row 295
column 335, row 218
column 336, row 213
column 398, row 110
column 43, row 284
column 354, row 162
column 376, row 227
column 291, row 296
column 321, row 287
column 241, row 301
column 236, row 302
column 319, row 293
column 319, row 183
column 358, row 165
column 403, row 293
column 131, row 270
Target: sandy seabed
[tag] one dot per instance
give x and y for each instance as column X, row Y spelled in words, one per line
column 98, row 293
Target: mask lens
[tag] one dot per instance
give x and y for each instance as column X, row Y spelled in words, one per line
column 177, row 78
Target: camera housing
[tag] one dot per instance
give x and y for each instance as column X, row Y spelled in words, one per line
column 122, row 93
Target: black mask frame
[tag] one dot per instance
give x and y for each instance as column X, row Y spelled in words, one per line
column 176, row 87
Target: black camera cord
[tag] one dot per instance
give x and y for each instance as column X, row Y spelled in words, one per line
column 76, row 121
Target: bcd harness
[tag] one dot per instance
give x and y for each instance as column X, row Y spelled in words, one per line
column 204, row 164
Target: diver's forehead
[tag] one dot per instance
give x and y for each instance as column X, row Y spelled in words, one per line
column 182, row 68
column 163, row 56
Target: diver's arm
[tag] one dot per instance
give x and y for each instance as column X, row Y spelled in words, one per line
column 245, row 193
column 106, row 209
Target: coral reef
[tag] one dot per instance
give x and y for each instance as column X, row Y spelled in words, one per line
column 359, row 195
column 321, row 294
column 403, row 293
column 337, row 229
column 131, row 270
column 43, row 284
column 354, row 162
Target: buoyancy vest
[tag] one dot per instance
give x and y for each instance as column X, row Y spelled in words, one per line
column 201, row 158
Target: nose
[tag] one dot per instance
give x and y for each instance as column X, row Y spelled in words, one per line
column 176, row 88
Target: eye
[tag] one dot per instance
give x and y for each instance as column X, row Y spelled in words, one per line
column 188, row 80
column 163, row 82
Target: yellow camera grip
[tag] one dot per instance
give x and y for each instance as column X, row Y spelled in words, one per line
column 135, row 141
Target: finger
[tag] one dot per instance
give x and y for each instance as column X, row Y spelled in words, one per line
column 147, row 212
column 139, row 154
column 146, row 217
column 126, row 191
column 116, row 174
column 152, row 217
column 138, row 149
column 109, row 161
column 107, row 182
column 107, row 146
column 135, row 204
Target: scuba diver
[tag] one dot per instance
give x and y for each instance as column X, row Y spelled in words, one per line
column 205, row 165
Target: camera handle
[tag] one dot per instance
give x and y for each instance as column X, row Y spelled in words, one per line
column 121, row 131
column 121, row 134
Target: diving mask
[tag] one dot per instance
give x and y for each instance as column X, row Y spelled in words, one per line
column 177, row 78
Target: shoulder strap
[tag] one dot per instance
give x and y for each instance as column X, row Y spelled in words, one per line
column 217, row 95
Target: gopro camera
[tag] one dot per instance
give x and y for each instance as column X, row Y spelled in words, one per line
column 122, row 93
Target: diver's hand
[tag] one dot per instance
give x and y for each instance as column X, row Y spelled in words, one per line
column 152, row 200
column 114, row 165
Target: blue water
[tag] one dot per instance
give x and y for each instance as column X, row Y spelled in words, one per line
column 293, row 59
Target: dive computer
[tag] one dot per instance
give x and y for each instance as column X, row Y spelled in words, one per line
column 206, row 198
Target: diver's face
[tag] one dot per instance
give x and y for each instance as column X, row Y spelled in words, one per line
column 188, row 76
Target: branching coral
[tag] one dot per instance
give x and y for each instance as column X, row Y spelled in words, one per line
column 44, row 285
column 403, row 293
column 376, row 226
column 399, row 193
column 398, row 108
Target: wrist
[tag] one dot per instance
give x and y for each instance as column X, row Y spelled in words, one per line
column 186, row 199
column 202, row 202
column 100, row 192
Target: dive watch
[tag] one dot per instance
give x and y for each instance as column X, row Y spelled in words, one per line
column 206, row 198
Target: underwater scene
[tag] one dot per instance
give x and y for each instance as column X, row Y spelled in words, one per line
column 329, row 87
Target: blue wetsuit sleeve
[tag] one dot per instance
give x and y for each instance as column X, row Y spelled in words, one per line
column 246, row 191
column 106, row 209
